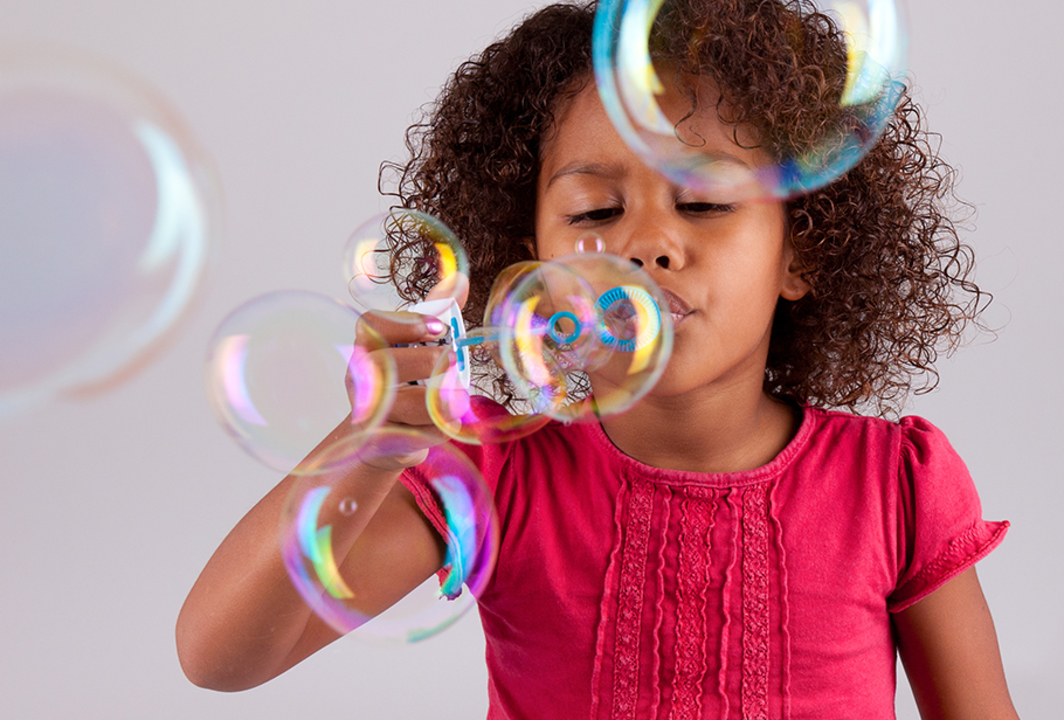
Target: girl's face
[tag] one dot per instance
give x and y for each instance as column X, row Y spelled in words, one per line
column 723, row 266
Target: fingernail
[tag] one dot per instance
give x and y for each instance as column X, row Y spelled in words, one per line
column 435, row 326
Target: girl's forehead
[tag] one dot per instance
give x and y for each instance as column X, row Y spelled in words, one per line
column 583, row 130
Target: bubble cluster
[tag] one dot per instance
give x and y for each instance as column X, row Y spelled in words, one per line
column 323, row 516
column 108, row 209
column 578, row 338
column 635, row 97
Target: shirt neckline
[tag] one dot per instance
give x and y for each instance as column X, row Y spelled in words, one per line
column 667, row 476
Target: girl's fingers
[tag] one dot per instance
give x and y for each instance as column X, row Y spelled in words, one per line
column 413, row 453
column 377, row 329
column 415, row 363
column 409, row 409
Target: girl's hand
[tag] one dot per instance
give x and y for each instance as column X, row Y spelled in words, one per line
column 402, row 335
column 380, row 333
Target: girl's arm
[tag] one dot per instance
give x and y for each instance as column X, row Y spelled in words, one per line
column 950, row 652
column 243, row 622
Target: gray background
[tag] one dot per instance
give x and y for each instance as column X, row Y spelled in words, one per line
column 109, row 508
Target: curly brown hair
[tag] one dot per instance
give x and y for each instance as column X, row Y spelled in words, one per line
column 890, row 278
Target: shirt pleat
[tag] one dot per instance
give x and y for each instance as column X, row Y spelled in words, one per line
column 726, row 592
column 659, row 604
column 630, row 602
column 785, row 630
column 693, row 578
column 755, row 604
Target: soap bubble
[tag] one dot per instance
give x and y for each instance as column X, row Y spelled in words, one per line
column 284, row 372
column 108, row 207
column 501, row 288
column 872, row 61
column 591, row 315
column 553, row 315
column 464, row 414
column 316, row 534
column 590, row 243
column 408, row 247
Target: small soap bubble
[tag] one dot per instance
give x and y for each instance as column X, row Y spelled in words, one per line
column 590, row 243
column 108, row 212
column 316, row 535
column 465, row 414
column 348, row 506
column 283, row 372
column 392, row 260
column 636, row 48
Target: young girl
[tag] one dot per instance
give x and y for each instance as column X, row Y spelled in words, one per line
column 728, row 548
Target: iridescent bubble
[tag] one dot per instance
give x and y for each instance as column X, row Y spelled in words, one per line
column 283, row 372
column 392, row 260
column 108, row 208
column 552, row 313
column 855, row 111
column 463, row 413
column 591, row 314
column 316, row 536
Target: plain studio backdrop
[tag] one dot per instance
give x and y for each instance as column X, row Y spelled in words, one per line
column 109, row 508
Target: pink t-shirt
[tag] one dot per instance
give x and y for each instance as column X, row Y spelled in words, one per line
column 627, row 591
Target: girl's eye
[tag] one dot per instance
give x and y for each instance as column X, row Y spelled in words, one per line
column 596, row 215
column 705, row 208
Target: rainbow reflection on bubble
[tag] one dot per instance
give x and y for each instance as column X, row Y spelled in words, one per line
column 392, row 259
column 464, row 415
column 324, row 514
column 552, row 312
column 632, row 92
column 283, row 372
column 501, row 288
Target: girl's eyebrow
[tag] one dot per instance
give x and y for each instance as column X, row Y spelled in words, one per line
column 608, row 171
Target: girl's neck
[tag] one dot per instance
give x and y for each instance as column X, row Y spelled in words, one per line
column 709, row 432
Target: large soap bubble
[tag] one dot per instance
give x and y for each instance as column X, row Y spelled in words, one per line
column 283, row 372
column 324, row 513
column 108, row 207
column 636, row 50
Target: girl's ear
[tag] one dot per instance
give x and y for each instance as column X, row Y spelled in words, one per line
column 794, row 285
column 529, row 244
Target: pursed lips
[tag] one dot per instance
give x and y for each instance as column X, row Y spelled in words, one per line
column 678, row 307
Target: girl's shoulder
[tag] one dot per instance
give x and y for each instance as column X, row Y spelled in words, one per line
column 907, row 488
column 908, row 435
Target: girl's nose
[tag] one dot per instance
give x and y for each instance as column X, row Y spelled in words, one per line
column 655, row 244
column 661, row 261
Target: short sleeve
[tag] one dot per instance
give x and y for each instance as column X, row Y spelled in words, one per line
column 942, row 531
column 489, row 459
